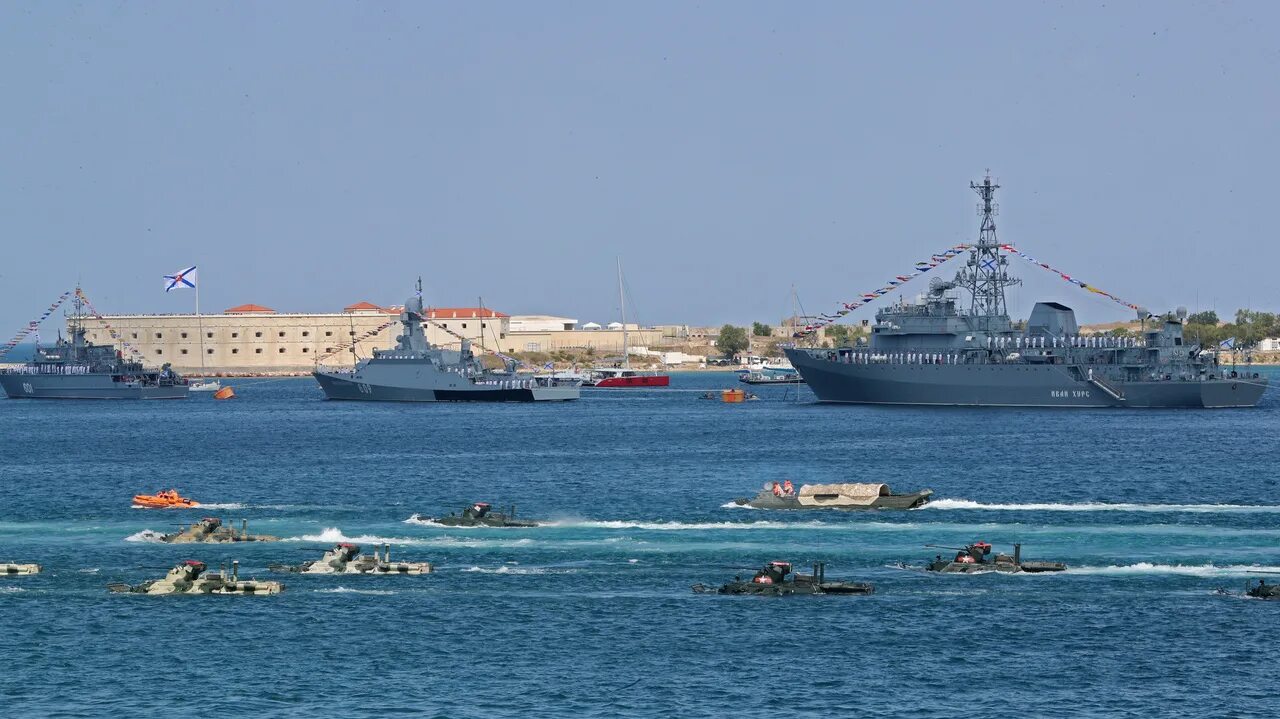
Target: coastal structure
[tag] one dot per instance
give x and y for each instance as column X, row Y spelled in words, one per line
column 255, row 339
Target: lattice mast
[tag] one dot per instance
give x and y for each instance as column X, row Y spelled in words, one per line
column 985, row 274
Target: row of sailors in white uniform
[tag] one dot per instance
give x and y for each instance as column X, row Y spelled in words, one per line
column 54, row 369
column 1084, row 341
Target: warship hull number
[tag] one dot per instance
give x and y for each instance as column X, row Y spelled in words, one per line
column 1069, row 393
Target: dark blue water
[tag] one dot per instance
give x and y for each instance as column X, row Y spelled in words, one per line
column 592, row 615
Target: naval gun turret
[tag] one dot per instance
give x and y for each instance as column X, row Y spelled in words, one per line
column 481, row 514
column 776, row 579
column 190, row 577
column 345, row 558
column 977, row 558
column 8, row 568
column 212, row 530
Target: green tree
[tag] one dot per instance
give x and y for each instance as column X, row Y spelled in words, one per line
column 1208, row 317
column 760, row 329
column 732, row 340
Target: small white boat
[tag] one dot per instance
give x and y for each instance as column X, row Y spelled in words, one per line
column 205, row 385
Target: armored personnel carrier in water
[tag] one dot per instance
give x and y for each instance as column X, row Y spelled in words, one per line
column 211, row 529
column 776, row 579
column 834, row 496
column 938, row 351
column 7, row 568
column 190, row 577
column 78, row 369
column 976, row 558
column 345, row 558
column 481, row 514
column 417, row 371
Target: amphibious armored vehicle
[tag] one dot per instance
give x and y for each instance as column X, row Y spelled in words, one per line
column 345, row 558
column 189, row 577
column 211, row 529
column 835, row 496
column 976, row 558
column 772, row 580
column 481, row 514
column 7, row 568
column 1259, row 589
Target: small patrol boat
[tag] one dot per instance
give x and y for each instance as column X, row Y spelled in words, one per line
column 835, row 496
column 190, row 577
column 773, row 580
column 480, row 514
column 345, row 558
column 211, row 530
column 976, row 558
column 7, row 568
column 164, row 499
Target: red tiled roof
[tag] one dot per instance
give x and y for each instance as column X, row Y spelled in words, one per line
column 366, row 307
column 245, row 309
column 460, row 313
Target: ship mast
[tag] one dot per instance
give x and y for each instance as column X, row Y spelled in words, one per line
column 622, row 305
column 985, row 275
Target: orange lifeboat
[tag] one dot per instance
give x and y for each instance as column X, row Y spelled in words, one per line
column 164, row 499
column 225, row 393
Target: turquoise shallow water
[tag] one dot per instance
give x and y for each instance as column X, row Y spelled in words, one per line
column 592, row 615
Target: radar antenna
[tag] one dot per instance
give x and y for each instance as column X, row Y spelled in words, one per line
column 985, row 275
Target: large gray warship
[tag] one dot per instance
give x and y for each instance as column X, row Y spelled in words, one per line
column 417, row 371
column 933, row 352
column 74, row 368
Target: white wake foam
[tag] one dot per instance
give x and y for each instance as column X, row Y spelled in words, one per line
column 1099, row 507
column 222, row 505
column 1189, row 570
column 345, row 590
column 146, row 535
column 686, row 526
column 11, row 590
column 507, row 569
column 333, row 535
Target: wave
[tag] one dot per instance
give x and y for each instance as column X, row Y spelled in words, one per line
column 334, row 535
column 93, row 570
column 1189, row 570
column 1099, row 507
column 345, row 590
column 663, row 526
column 222, row 505
column 735, row 505
column 507, row 569
column 146, row 535
column 11, row 590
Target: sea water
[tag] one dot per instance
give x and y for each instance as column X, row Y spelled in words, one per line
column 1154, row 511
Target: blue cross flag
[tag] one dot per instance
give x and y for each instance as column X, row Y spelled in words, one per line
column 181, row 280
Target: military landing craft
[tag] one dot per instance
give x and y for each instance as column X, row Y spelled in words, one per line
column 976, row 558
column 189, row 577
column 835, row 496
column 480, row 514
column 7, row 568
column 772, row 580
column 211, row 530
column 345, row 558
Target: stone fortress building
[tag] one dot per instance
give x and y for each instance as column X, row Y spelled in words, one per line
column 252, row 339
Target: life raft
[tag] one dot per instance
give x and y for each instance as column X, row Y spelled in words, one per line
column 164, row 499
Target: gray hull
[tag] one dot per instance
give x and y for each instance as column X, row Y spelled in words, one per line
column 84, row 386
column 449, row 388
column 1011, row 385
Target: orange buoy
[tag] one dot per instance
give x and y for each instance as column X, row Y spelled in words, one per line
column 733, row 395
column 225, row 393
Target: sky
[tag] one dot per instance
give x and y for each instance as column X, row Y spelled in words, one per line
column 306, row 155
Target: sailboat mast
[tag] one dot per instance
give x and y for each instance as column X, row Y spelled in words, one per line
column 622, row 305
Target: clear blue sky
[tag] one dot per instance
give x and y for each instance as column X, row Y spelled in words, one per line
column 309, row 154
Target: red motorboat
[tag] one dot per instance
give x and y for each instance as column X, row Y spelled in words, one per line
column 624, row 377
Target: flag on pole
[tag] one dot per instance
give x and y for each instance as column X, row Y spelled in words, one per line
column 181, row 280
